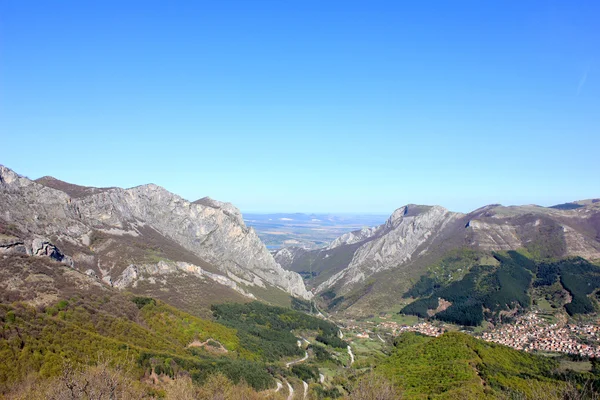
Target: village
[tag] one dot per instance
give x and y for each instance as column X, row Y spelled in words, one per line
column 528, row 332
column 532, row 333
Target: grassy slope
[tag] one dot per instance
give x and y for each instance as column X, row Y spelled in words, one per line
column 456, row 365
column 84, row 327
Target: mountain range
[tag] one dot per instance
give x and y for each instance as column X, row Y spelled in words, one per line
column 194, row 254
column 164, row 288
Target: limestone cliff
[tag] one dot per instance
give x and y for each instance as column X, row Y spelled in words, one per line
column 407, row 230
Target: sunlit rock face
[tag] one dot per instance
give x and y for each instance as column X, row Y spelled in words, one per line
column 212, row 230
column 394, row 243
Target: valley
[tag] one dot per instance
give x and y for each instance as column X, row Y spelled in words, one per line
column 181, row 298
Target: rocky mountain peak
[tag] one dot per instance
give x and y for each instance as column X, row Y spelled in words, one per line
column 228, row 208
column 412, row 210
column 404, row 236
column 397, row 215
column 8, row 178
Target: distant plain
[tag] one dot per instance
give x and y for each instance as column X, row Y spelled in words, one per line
column 307, row 230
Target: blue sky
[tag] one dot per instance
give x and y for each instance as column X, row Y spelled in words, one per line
column 314, row 106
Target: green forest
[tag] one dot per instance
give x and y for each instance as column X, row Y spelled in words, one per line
column 458, row 366
column 496, row 288
column 266, row 330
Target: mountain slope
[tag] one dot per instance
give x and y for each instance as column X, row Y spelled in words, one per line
column 488, row 291
column 55, row 319
column 147, row 235
column 52, row 314
column 372, row 268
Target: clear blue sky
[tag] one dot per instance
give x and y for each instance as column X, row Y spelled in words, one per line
column 307, row 105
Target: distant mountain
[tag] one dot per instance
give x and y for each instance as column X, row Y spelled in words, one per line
column 575, row 204
column 371, row 269
column 145, row 239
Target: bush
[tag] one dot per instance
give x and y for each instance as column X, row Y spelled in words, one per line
column 373, row 386
column 140, row 302
column 265, row 330
column 306, row 372
column 332, row 341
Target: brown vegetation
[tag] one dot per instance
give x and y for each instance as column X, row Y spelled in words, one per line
column 373, row 387
column 105, row 382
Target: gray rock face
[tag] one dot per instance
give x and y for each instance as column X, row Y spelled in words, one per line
column 400, row 237
column 212, row 230
column 38, row 247
column 136, row 273
column 12, row 245
column 285, row 256
column 41, row 247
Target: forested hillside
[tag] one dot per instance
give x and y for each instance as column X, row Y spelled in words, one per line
column 458, row 366
column 487, row 290
column 267, row 330
column 146, row 334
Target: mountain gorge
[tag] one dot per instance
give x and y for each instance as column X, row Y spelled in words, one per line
column 145, row 239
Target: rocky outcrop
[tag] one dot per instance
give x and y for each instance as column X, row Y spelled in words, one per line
column 41, row 247
column 355, row 237
column 38, row 247
column 12, row 245
column 286, row 255
column 494, row 236
column 134, row 274
column 213, row 231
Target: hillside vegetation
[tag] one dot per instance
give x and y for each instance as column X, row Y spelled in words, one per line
column 267, row 330
column 487, row 290
column 458, row 366
column 143, row 334
column 94, row 340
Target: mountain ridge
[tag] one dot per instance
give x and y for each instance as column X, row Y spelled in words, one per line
column 379, row 262
column 108, row 230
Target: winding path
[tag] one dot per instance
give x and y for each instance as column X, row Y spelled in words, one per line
column 287, row 365
column 380, row 338
column 290, row 390
column 305, row 388
column 279, row 386
column 351, row 355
